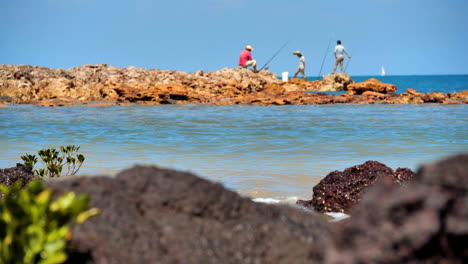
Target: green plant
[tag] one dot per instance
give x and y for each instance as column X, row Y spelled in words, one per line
column 35, row 229
column 54, row 160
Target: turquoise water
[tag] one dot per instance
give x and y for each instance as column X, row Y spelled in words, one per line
column 422, row 83
column 261, row 151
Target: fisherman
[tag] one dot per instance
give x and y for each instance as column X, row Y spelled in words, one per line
column 246, row 60
column 302, row 64
column 339, row 58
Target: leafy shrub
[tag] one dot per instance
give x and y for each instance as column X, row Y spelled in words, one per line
column 54, row 160
column 35, row 229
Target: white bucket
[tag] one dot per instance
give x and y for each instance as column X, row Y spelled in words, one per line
column 285, row 76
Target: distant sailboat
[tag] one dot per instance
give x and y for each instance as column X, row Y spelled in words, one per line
column 382, row 72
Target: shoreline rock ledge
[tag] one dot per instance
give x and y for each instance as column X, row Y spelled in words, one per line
column 103, row 84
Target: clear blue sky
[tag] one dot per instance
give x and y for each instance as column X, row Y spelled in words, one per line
column 405, row 36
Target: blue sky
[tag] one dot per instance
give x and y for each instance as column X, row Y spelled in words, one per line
column 405, row 36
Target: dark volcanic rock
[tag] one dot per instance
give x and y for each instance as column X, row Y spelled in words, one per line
column 340, row 191
column 424, row 222
column 153, row 215
column 20, row 172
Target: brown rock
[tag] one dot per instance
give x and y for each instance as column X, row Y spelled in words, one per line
column 374, row 94
column 153, row 215
column 336, row 82
column 87, row 83
column 424, row 221
column 434, row 97
column 372, row 85
column 20, row 172
column 405, row 98
column 460, row 95
column 341, row 191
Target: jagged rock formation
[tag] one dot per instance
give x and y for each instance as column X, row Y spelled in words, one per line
column 101, row 83
column 9, row 176
column 372, row 85
column 424, row 221
column 330, row 83
column 341, row 191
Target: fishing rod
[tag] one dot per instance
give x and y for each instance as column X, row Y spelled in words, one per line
column 324, row 57
column 347, row 65
column 274, row 55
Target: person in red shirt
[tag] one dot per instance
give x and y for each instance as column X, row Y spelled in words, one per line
column 246, row 60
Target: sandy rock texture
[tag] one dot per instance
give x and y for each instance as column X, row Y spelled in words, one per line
column 104, row 84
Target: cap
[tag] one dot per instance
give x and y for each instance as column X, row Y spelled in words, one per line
column 249, row 47
column 297, row 53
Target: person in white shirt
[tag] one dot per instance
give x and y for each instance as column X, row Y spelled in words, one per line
column 302, row 64
column 339, row 58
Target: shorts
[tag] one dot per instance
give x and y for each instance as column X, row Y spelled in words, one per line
column 250, row 63
column 339, row 60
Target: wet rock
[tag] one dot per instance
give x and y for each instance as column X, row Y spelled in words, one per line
column 154, row 215
column 372, row 85
column 341, row 191
column 423, row 222
column 9, row 176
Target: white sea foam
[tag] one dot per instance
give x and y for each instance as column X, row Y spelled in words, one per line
column 337, row 216
column 292, row 201
column 287, row 200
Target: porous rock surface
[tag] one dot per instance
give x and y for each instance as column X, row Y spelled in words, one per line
column 371, row 85
column 341, row 191
column 98, row 84
column 426, row 221
column 330, row 83
column 154, row 215
column 21, row 172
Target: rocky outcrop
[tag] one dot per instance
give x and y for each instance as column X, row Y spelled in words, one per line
column 330, row 83
column 336, row 82
column 154, row 215
column 27, row 84
column 104, row 84
column 371, row 85
column 341, row 191
column 424, row 222
column 9, row 176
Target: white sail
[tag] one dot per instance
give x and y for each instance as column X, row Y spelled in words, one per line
column 382, row 72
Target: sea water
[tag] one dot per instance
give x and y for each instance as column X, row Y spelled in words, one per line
column 271, row 153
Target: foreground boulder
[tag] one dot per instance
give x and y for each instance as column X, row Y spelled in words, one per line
column 426, row 221
column 341, row 191
column 153, row 215
column 21, row 172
